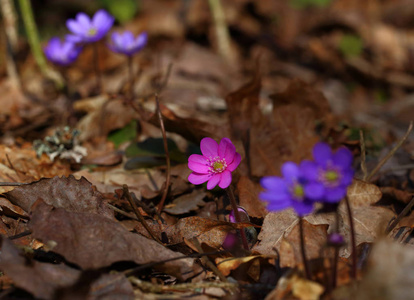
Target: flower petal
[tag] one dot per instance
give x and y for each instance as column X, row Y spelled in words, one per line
column 342, row 157
column 290, row 171
column 73, row 38
column 274, row 197
column 334, row 194
column 198, row 168
column 196, row 178
column 309, row 170
column 347, row 177
column 75, row 27
column 235, row 163
column 83, row 20
column 274, row 184
column 225, row 179
column 314, row 191
column 322, row 153
column 226, row 150
column 102, row 19
column 302, row 208
column 213, row 181
column 276, row 206
column 198, row 159
column 209, row 147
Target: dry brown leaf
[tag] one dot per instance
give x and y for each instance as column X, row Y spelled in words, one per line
column 65, row 192
column 226, row 265
column 361, row 193
column 93, row 241
column 186, row 203
column 249, row 198
column 12, row 210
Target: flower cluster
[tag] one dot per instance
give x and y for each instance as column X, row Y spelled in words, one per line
column 86, row 30
column 324, row 179
column 215, row 164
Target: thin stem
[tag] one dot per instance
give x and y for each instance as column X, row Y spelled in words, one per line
column 167, row 155
column 98, row 74
column 237, row 216
column 131, row 78
column 303, row 250
column 353, row 241
column 363, row 157
column 33, row 37
column 138, row 214
column 336, row 254
column 402, row 214
column 391, row 153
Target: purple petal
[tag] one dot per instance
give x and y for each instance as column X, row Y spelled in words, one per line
column 213, row 181
column 196, row 178
column 314, row 191
column 309, row 170
column 73, row 38
column 198, row 168
column 128, row 38
column 102, row 19
column 274, row 197
column 141, row 40
column 83, row 20
column 274, row 184
column 322, row 153
column 302, row 208
column 342, row 157
column 290, row 171
column 75, row 27
column 347, row 177
column 226, row 150
column 235, row 163
column 335, row 194
column 225, row 179
column 276, row 206
column 209, row 147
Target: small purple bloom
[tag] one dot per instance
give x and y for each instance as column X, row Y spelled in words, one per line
column 61, row 52
column 336, row 239
column 215, row 164
column 89, row 30
column 287, row 191
column 126, row 43
column 329, row 175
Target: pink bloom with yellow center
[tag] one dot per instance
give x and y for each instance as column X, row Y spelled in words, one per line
column 215, row 164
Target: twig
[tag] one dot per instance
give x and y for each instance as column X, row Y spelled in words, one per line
column 363, row 158
column 391, row 153
column 12, row 183
column 20, row 235
column 138, row 214
column 207, row 261
column 353, row 238
column 124, row 213
column 237, row 217
column 33, row 37
column 222, row 32
column 303, row 250
column 402, row 214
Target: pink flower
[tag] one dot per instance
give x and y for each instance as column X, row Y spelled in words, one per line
column 215, row 165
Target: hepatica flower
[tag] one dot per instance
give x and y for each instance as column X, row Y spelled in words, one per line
column 126, row 43
column 87, row 30
column 287, row 191
column 215, row 164
column 329, row 174
column 61, row 52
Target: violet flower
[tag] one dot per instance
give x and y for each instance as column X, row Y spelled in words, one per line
column 329, row 175
column 287, row 191
column 215, row 164
column 60, row 52
column 87, row 30
column 126, row 43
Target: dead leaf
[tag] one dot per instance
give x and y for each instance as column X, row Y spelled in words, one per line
column 65, row 192
column 94, row 241
column 361, row 193
column 12, row 210
column 226, row 265
column 186, row 203
column 249, row 198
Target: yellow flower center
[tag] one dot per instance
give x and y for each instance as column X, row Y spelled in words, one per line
column 331, row 176
column 298, row 191
column 92, row 32
column 217, row 166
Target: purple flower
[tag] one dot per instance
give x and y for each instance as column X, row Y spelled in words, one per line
column 216, row 163
column 286, row 191
column 126, row 43
column 329, row 175
column 61, row 53
column 89, row 30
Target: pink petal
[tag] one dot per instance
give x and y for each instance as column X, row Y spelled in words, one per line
column 199, row 168
column 235, row 163
column 208, row 147
column 196, row 178
column 213, row 181
column 198, row 159
column 226, row 150
column 225, row 179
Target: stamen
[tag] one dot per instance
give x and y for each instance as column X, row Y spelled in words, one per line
column 217, row 164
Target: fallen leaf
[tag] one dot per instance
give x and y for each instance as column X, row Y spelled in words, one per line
column 94, row 241
column 65, row 192
column 186, row 203
column 12, row 210
column 249, row 198
column 361, row 193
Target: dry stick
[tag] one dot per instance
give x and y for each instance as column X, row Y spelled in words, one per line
column 303, row 250
column 402, row 214
column 353, row 239
column 164, row 138
column 138, row 214
column 96, row 67
column 237, row 216
column 11, row 183
column 391, row 153
column 336, row 254
column 363, row 158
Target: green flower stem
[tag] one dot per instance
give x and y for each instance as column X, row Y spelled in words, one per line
column 33, row 37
